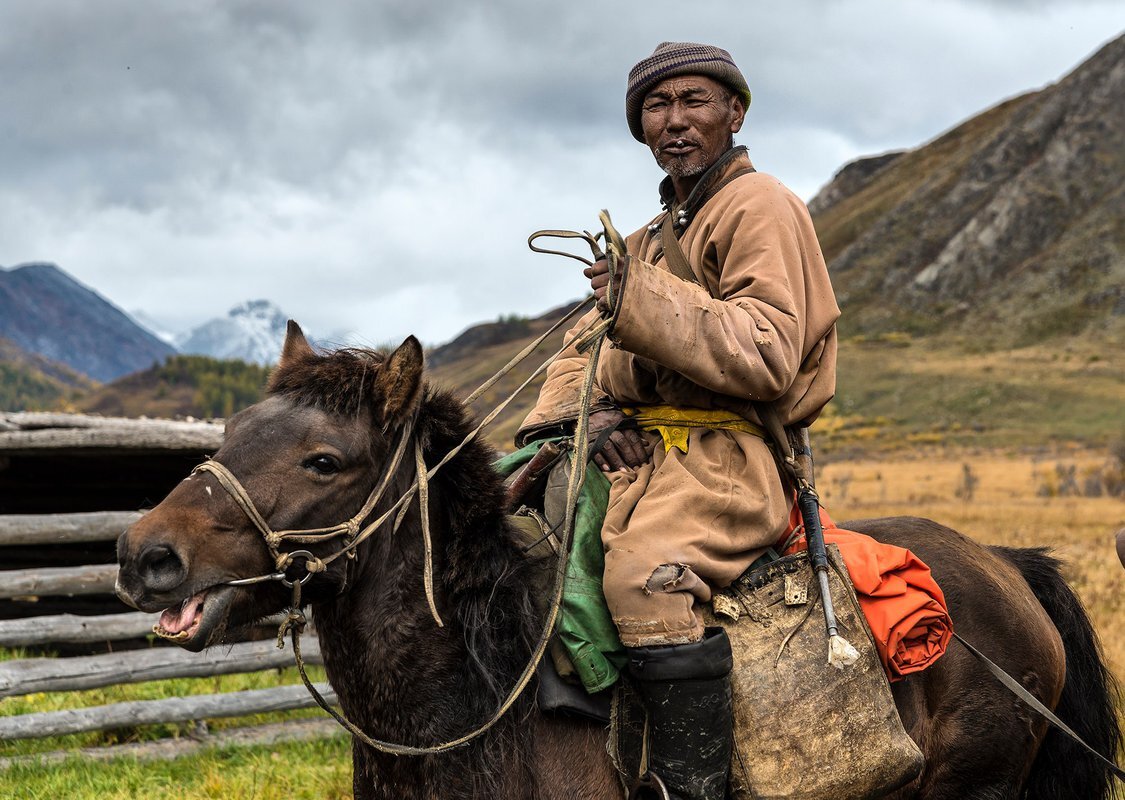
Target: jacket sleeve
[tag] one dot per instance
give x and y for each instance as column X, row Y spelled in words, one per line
column 560, row 397
column 746, row 342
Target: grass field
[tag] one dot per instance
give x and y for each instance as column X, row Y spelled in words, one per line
column 1015, row 499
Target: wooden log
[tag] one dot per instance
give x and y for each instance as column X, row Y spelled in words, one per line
column 69, row 581
column 28, row 675
column 294, row 730
column 76, row 629
column 24, row 433
column 152, row 712
column 45, row 529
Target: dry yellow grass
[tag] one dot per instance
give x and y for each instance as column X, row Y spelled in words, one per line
column 1011, row 504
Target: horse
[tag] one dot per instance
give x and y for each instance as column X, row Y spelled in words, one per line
column 309, row 454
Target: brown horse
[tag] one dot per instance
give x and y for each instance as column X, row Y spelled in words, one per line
column 309, row 455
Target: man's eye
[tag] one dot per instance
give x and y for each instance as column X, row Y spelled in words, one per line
column 323, row 465
column 654, row 106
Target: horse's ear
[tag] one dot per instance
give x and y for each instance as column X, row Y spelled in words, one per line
column 399, row 381
column 296, row 347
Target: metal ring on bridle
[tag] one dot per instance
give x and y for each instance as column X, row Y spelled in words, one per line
column 305, row 554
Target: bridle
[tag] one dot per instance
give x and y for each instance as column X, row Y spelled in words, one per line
column 350, row 528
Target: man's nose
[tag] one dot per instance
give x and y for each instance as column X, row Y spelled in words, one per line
column 677, row 119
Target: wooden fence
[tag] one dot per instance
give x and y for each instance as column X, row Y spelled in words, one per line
column 45, row 674
column 41, row 532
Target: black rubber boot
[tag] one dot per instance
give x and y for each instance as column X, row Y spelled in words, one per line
column 685, row 689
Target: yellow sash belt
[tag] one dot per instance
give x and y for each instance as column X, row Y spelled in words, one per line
column 673, row 424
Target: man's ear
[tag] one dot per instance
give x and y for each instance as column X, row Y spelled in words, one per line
column 738, row 112
column 296, row 347
column 399, row 381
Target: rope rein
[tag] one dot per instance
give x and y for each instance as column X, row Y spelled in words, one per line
column 588, row 340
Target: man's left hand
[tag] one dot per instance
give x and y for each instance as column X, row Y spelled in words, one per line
column 625, row 449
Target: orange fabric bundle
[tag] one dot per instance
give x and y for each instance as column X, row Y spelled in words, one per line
column 899, row 597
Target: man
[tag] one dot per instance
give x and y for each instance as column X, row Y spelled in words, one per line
column 696, row 494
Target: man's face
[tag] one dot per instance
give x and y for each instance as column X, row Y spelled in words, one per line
column 688, row 123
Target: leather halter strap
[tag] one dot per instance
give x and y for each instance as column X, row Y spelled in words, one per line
column 274, row 539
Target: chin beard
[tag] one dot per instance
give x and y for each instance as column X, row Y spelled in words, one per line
column 682, row 168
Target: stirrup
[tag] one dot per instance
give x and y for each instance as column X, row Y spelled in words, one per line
column 649, row 787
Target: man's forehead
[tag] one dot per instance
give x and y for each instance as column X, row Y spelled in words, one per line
column 682, row 85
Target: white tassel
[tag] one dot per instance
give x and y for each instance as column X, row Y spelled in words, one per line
column 841, row 653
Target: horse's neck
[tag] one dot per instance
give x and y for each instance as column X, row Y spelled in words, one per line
column 385, row 655
column 402, row 678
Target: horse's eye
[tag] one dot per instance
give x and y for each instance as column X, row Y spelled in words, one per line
column 322, row 465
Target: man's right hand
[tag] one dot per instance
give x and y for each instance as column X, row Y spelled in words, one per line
column 624, row 449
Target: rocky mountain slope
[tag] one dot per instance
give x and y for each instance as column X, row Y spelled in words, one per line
column 252, row 331
column 1007, row 230
column 45, row 311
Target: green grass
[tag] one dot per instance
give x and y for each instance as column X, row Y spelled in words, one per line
column 314, row 769
column 295, row 771
column 151, row 690
column 894, row 393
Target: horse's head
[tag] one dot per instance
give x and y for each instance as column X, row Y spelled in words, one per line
column 307, row 457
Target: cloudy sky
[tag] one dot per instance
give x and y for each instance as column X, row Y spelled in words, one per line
column 375, row 167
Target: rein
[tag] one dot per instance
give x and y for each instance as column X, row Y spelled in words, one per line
column 589, row 339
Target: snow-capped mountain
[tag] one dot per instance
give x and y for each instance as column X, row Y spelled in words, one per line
column 253, row 331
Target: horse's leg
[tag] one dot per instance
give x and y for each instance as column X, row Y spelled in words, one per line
column 977, row 738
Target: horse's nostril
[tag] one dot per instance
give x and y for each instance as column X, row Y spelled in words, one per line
column 160, row 568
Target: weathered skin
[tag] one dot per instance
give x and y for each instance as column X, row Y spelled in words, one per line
column 309, row 454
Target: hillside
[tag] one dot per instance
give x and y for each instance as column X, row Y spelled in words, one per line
column 30, row 382
column 1006, row 231
column 43, row 310
column 183, row 386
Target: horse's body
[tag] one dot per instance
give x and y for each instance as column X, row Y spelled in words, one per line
column 310, row 453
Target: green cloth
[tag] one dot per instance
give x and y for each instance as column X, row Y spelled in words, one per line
column 584, row 626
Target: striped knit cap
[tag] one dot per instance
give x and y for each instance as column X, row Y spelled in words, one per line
column 670, row 59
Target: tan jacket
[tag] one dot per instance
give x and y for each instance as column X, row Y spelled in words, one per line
column 761, row 327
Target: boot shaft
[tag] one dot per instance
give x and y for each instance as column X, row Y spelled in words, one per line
column 685, row 690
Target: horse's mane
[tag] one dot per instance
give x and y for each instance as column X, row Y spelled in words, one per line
column 483, row 575
column 338, row 382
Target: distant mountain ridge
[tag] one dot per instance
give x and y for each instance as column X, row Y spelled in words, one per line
column 44, row 310
column 252, row 331
column 1011, row 225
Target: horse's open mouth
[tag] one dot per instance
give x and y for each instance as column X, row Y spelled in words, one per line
column 197, row 620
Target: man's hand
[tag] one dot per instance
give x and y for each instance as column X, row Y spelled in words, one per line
column 599, row 282
column 623, row 450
